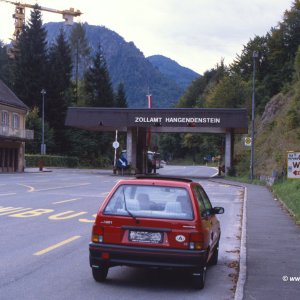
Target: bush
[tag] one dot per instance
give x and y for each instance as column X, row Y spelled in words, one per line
column 102, row 162
column 288, row 192
column 33, row 160
column 291, row 119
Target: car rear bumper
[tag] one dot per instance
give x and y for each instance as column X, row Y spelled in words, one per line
column 113, row 255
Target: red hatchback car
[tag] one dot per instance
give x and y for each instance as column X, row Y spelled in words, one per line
column 160, row 222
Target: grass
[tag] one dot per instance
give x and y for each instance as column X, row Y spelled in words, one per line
column 288, row 191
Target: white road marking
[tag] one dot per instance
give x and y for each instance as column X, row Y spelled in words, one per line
column 32, row 189
column 64, row 201
column 217, row 173
column 7, row 194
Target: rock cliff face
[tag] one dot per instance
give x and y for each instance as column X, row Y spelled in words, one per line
column 277, row 132
column 273, row 107
column 127, row 64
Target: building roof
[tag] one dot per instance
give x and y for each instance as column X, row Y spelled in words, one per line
column 7, row 97
column 215, row 120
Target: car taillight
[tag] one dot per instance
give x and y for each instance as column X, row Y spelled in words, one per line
column 97, row 238
column 97, row 234
column 196, row 241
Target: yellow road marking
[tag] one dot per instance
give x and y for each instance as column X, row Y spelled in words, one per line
column 57, row 245
column 87, row 220
column 9, row 210
column 64, row 201
column 32, row 213
column 66, row 215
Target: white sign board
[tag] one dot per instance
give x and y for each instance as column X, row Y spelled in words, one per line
column 248, row 141
column 116, row 145
column 293, row 165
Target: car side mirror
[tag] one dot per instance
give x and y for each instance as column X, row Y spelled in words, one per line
column 218, row 210
column 206, row 213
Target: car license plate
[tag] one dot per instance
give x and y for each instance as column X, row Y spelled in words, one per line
column 145, row 236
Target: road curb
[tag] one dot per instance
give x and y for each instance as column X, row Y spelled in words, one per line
column 239, row 292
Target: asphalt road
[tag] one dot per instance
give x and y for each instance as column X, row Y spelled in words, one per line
column 45, row 223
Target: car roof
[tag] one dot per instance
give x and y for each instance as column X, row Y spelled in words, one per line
column 158, row 180
column 162, row 177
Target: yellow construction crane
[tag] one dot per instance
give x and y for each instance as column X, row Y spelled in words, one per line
column 19, row 15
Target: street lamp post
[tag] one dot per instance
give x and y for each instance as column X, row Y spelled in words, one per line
column 254, row 56
column 43, row 146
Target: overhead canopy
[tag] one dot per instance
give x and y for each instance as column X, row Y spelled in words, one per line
column 218, row 120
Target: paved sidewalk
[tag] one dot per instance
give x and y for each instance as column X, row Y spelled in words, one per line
column 273, row 248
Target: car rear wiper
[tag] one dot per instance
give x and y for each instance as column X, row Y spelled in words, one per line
column 127, row 210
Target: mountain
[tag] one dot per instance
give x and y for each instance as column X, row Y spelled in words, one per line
column 127, row 64
column 172, row 70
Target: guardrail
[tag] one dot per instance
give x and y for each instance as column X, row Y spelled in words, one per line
column 16, row 133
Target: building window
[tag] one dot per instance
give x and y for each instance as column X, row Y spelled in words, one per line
column 15, row 121
column 4, row 118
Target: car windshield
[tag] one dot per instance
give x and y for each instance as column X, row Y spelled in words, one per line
column 150, row 202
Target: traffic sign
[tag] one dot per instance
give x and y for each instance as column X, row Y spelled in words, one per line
column 122, row 163
column 248, row 141
column 293, row 165
column 115, row 144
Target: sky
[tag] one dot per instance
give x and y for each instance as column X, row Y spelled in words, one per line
column 195, row 33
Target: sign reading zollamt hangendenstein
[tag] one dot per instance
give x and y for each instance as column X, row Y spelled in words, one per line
column 177, row 120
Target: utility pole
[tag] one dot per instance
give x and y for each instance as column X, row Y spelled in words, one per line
column 77, row 63
column 254, row 57
column 43, row 146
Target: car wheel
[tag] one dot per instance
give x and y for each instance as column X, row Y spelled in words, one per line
column 214, row 258
column 100, row 274
column 198, row 278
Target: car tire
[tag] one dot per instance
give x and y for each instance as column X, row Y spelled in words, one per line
column 198, row 278
column 100, row 274
column 215, row 256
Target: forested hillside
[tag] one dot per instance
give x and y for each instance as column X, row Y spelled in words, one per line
column 126, row 64
column 171, row 69
column 277, row 98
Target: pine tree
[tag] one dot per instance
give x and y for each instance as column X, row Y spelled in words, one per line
column 98, row 93
column 31, row 61
column 80, row 54
column 97, row 83
column 58, row 89
column 5, row 69
column 121, row 100
column 59, row 74
column 80, row 48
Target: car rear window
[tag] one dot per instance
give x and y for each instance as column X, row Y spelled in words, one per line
column 150, row 202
